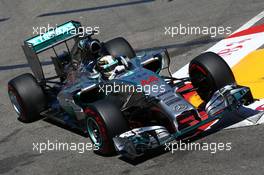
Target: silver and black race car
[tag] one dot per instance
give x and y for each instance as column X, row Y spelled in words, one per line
column 136, row 106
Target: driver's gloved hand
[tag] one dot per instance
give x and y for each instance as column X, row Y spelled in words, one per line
column 120, row 68
column 117, row 70
column 123, row 60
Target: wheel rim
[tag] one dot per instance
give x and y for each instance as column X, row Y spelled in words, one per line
column 15, row 102
column 94, row 132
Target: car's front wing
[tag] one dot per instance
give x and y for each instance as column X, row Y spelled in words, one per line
column 135, row 142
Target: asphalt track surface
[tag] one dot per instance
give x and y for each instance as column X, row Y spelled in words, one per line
column 142, row 22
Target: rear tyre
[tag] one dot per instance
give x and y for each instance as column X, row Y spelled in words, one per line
column 103, row 122
column 119, row 47
column 27, row 97
column 209, row 72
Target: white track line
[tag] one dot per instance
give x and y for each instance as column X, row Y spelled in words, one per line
column 183, row 72
column 251, row 22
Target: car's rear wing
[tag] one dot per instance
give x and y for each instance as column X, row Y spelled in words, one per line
column 53, row 37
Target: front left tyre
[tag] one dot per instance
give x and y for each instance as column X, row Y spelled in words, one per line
column 27, row 97
column 209, row 72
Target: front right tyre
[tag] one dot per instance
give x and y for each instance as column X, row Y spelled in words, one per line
column 104, row 121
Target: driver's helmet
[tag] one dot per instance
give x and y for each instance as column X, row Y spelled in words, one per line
column 106, row 65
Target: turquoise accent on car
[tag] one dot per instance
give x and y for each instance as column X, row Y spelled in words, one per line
column 94, row 132
column 110, row 64
column 54, row 35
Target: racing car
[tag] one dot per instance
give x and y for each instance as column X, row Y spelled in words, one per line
column 128, row 122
